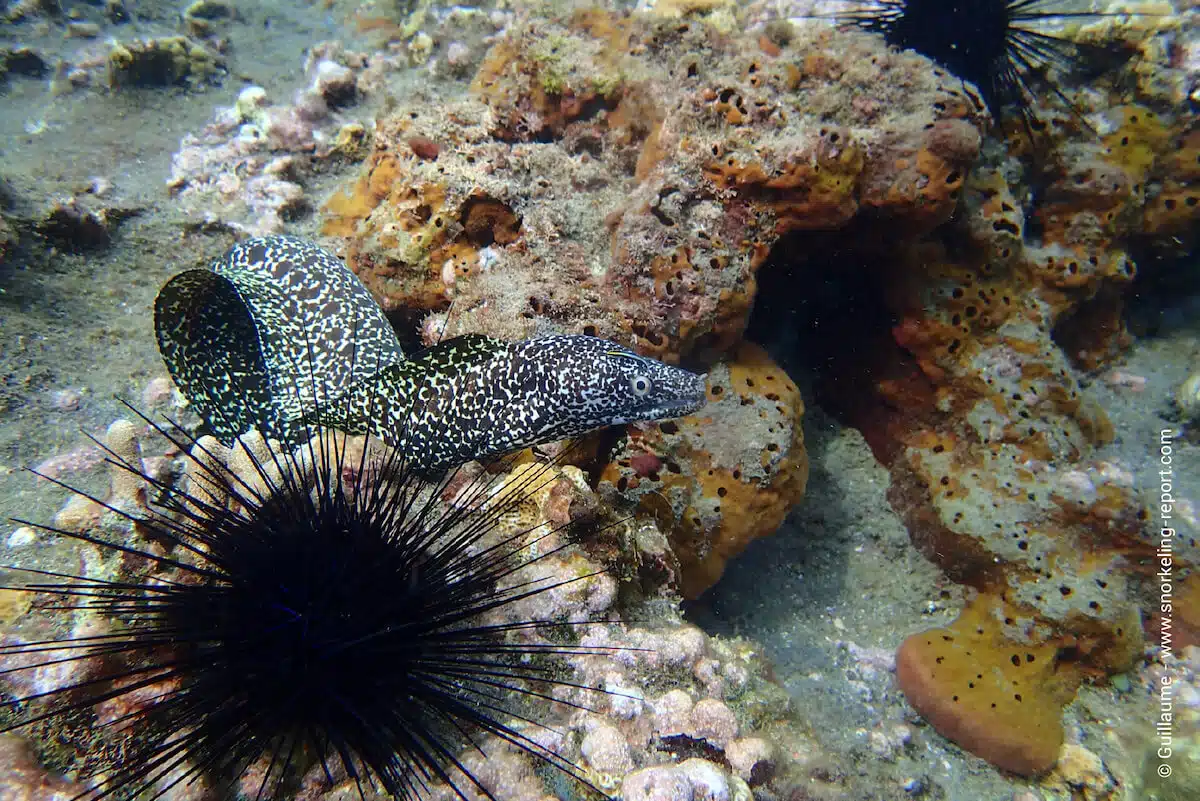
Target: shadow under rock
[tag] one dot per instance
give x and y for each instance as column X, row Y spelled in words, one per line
column 782, row 588
column 783, row 585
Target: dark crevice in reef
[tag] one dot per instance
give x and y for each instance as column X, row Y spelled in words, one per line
column 1165, row 295
column 406, row 322
column 821, row 312
column 1092, row 334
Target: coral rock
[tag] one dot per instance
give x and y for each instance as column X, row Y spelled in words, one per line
column 161, row 62
column 709, row 782
column 730, row 473
column 606, row 750
column 71, row 226
column 660, row 783
column 750, row 758
column 624, row 176
column 1082, row 774
column 991, row 437
column 713, row 721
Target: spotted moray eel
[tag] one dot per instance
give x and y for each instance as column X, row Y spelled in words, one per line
column 280, row 335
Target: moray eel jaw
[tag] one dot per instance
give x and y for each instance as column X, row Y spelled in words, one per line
column 661, row 411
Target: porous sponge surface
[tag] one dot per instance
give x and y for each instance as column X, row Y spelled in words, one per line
column 1000, row 700
column 727, row 475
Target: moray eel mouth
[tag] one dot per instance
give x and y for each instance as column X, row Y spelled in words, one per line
column 687, row 402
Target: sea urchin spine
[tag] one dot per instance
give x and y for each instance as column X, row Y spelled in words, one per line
column 322, row 612
column 986, row 42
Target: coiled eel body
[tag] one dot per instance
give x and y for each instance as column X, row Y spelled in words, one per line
column 279, row 335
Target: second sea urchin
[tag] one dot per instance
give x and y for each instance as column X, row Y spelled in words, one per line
column 993, row 44
column 322, row 612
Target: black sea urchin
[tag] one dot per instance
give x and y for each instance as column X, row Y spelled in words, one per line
column 986, row 42
column 319, row 612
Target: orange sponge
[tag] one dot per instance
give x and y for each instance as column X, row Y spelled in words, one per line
column 999, row 700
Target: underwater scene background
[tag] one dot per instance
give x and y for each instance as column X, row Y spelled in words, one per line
column 933, row 533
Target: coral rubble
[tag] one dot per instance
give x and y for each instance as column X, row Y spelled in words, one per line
column 249, row 168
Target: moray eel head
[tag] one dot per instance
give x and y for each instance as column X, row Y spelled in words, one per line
column 611, row 385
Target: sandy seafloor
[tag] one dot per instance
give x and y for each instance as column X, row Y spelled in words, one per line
column 828, row 598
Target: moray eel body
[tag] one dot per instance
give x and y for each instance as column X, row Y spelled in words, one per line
column 279, row 335
column 503, row 396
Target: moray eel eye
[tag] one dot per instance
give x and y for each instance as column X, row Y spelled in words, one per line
column 641, row 385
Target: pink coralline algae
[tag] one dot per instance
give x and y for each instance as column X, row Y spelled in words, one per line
column 249, row 167
column 25, row 779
